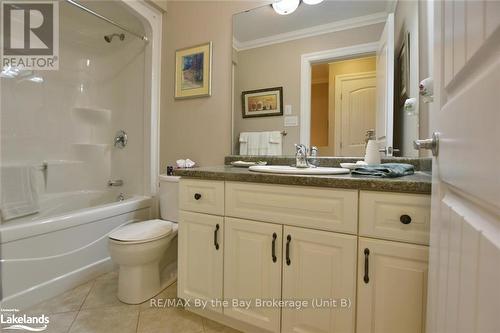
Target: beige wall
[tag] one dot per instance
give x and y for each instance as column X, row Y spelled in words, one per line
column 198, row 128
column 360, row 65
column 279, row 65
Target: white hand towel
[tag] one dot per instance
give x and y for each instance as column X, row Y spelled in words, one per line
column 264, row 143
column 19, row 192
column 253, row 143
column 243, row 143
column 275, row 143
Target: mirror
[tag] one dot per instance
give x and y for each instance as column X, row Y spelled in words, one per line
column 325, row 74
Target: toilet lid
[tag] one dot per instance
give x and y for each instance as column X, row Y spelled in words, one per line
column 141, row 231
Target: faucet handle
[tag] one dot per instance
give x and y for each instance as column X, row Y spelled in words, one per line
column 300, row 149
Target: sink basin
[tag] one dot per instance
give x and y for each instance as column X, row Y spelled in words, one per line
column 297, row 171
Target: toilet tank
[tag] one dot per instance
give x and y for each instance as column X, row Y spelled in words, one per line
column 169, row 198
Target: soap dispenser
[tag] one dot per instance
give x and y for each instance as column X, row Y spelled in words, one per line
column 372, row 155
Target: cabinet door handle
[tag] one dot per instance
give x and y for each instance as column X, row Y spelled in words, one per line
column 273, row 250
column 405, row 219
column 216, row 243
column 197, row 196
column 366, row 278
column 288, row 240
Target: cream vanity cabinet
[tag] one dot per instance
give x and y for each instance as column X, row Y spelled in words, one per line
column 246, row 241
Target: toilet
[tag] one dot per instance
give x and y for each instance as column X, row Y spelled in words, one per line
column 139, row 247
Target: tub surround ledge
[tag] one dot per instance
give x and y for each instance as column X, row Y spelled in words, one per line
column 420, row 182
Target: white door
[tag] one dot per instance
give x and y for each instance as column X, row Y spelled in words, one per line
column 252, row 270
column 464, row 277
column 355, row 108
column 200, row 257
column 392, row 287
column 322, row 266
column 385, row 85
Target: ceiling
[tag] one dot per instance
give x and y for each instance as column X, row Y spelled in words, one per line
column 264, row 22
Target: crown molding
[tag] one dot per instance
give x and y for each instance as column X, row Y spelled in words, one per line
column 351, row 23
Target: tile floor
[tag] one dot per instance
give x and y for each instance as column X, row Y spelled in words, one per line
column 94, row 308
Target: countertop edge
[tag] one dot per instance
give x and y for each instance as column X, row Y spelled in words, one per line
column 400, row 185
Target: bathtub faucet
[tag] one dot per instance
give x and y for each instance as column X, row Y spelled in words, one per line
column 117, row 182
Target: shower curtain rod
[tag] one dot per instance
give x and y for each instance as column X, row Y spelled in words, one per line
column 90, row 11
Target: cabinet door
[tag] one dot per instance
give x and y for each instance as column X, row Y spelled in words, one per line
column 251, row 272
column 322, row 267
column 392, row 287
column 200, row 257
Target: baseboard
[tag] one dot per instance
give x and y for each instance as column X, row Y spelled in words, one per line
column 51, row 288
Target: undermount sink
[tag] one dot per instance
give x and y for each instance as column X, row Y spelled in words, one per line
column 298, row 171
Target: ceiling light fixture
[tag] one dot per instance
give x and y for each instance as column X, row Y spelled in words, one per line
column 312, row 2
column 285, row 7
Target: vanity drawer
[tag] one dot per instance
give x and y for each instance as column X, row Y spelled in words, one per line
column 395, row 216
column 317, row 208
column 202, row 196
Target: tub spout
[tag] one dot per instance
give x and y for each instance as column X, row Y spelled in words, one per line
column 117, row 182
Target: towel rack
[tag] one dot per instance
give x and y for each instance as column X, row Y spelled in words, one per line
column 283, row 133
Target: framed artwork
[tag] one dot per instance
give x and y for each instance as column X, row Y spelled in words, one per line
column 263, row 102
column 193, row 71
column 404, row 67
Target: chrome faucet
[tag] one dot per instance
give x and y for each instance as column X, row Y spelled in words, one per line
column 301, row 156
column 117, row 182
column 313, row 156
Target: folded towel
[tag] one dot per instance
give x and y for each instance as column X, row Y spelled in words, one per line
column 19, row 191
column 385, row 170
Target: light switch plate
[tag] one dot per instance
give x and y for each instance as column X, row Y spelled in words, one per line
column 291, row 121
column 288, row 110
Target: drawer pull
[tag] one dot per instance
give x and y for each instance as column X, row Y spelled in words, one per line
column 366, row 278
column 405, row 219
column 273, row 250
column 197, row 196
column 288, row 240
column 216, row 242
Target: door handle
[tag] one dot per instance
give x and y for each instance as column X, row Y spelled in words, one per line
column 288, row 240
column 273, row 250
column 430, row 144
column 366, row 278
column 216, row 242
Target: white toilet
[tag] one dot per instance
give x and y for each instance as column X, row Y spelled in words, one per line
column 139, row 247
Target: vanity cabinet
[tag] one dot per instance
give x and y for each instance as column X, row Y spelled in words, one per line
column 299, row 243
column 252, row 270
column 320, row 266
column 392, row 287
column 200, row 257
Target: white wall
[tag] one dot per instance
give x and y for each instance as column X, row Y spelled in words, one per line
column 46, row 121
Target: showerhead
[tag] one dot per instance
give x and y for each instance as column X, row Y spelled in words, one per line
column 109, row 38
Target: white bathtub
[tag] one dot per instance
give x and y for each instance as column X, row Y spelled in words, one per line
column 43, row 256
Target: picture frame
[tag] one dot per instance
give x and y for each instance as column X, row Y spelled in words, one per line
column 193, row 71
column 266, row 102
column 404, row 67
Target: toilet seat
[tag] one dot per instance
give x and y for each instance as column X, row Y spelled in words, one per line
column 142, row 232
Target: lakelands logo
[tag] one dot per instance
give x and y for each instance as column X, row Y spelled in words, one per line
column 11, row 319
column 30, row 35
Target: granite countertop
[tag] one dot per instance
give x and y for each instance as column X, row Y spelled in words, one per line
column 420, row 182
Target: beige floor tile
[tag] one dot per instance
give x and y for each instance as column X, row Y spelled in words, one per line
column 110, row 275
column 169, row 320
column 106, row 320
column 60, row 322
column 211, row 326
column 103, row 294
column 168, row 293
column 67, row 302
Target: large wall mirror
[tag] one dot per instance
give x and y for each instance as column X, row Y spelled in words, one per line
column 324, row 75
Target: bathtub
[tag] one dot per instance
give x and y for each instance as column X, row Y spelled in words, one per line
column 64, row 245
